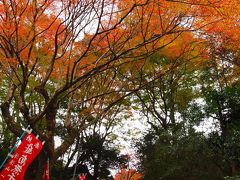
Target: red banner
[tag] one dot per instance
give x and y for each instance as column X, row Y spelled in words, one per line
column 82, row 176
column 22, row 157
column 46, row 171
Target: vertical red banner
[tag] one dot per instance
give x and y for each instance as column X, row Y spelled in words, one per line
column 82, row 176
column 46, row 171
column 22, row 157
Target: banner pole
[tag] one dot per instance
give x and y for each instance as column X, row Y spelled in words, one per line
column 10, row 153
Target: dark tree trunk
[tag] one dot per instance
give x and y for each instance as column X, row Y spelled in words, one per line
column 96, row 170
column 36, row 169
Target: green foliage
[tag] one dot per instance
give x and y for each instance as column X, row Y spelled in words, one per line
column 194, row 114
column 232, row 178
column 178, row 156
column 177, row 151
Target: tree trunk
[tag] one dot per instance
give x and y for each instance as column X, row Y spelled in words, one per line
column 36, row 169
column 96, row 170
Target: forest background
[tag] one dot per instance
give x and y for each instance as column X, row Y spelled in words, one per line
column 78, row 69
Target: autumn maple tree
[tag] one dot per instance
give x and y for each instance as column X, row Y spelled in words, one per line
column 130, row 174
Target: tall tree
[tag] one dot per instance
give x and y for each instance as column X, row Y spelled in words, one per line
column 50, row 50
